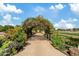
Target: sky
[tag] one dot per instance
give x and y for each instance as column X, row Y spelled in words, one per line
column 61, row 15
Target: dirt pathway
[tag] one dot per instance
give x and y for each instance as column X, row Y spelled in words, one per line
column 39, row 46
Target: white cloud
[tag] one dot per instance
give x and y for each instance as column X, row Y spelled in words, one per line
column 65, row 24
column 75, row 19
column 7, row 20
column 56, row 7
column 3, row 22
column 7, row 17
column 39, row 9
column 10, row 8
column 16, row 18
column 18, row 11
column 5, row 13
column 59, row 6
column 52, row 7
column 70, row 20
column 74, row 7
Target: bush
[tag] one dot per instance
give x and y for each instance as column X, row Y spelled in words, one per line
column 4, row 50
column 1, row 52
column 57, row 41
column 8, row 48
column 13, row 42
column 2, row 39
column 18, row 37
column 14, row 51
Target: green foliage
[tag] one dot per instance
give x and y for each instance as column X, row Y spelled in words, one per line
column 70, row 40
column 6, row 27
column 1, row 51
column 1, row 28
column 6, row 44
column 57, row 41
column 14, row 51
column 13, row 41
column 2, row 40
column 3, row 44
column 15, row 38
column 17, row 34
column 4, row 50
column 39, row 22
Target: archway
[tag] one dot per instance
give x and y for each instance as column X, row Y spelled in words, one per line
column 40, row 23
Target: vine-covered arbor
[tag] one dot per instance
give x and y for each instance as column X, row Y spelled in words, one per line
column 40, row 22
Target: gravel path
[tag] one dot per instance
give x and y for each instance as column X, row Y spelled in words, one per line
column 39, row 46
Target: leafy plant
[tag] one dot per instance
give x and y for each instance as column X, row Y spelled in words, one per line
column 57, row 41
column 13, row 41
column 2, row 39
column 4, row 50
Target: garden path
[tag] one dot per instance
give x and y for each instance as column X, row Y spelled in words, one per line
column 39, row 46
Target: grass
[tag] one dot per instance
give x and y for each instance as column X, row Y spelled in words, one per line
column 75, row 34
column 64, row 42
column 71, row 38
column 57, row 41
column 72, row 41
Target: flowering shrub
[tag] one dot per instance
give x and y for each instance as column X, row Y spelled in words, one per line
column 12, row 42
